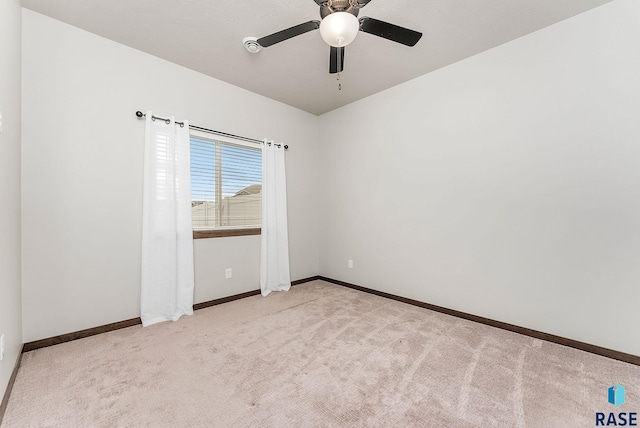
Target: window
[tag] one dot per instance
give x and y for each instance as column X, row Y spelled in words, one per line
column 226, row 188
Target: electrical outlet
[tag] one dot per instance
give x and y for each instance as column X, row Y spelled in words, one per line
column 2, row 347
column 227, row 273
column 350, row 264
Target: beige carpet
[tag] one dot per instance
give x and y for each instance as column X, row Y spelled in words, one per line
column 319, row 355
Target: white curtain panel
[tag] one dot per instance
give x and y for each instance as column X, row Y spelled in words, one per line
column 274, row 263
column 167, row 237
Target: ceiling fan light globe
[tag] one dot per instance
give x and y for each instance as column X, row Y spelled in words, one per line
column 339, row 29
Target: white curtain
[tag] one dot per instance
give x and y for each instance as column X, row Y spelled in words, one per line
column 274, row 263
column 167, row 237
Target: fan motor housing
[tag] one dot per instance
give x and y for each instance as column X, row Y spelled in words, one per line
column 331, row 6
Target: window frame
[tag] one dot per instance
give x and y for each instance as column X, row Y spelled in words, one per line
column 231, row 231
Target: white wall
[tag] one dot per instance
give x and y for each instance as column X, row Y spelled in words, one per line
column 506, row 185
column 10, row 306
column 82, row 175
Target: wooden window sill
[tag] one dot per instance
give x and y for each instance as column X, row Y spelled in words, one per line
column 221, row 233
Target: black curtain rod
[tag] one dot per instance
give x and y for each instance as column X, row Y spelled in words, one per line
column 211, row 131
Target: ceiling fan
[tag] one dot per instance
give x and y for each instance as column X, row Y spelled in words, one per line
column 339, row 26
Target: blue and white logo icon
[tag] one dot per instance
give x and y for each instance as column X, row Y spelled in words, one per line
column 616, row 395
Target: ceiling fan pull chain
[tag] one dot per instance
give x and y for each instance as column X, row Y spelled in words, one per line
column 339, row 84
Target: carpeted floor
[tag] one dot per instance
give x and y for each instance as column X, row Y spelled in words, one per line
column 319, row 355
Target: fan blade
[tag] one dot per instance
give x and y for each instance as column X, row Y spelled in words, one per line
column 336, row 60
column 389, row 31
column 319, row 2
column 363, row 3
column 283, row 35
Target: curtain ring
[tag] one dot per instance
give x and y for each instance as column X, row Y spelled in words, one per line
column 167, row 121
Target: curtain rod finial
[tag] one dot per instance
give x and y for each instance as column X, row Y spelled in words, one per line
column 139, row 114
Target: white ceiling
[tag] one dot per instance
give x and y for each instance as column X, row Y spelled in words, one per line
column 206, row 36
